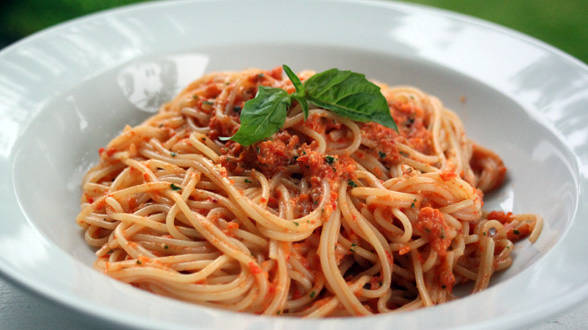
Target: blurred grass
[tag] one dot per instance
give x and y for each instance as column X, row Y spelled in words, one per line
column 563, row 23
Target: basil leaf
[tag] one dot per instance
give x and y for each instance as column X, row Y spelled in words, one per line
column 294, row 79
column 262, row 116
column 350, row 95
column 299, row 95
column 303, row 104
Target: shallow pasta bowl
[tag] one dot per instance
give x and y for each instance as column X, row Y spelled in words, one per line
column 67, row 91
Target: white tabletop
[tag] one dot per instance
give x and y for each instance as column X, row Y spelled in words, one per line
column 23, row 310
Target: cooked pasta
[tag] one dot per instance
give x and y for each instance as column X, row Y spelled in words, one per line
column 328, row 217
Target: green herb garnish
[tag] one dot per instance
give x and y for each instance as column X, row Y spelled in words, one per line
column 299, row 95
column 516, row 232
column 330, row 160
column 352, row 183
column 382, row 154
column 312, row 294
column 173, row 154
column 247, row 181
column 350, row 95
column 174, row 187
column 262, row 116
column 346, row 93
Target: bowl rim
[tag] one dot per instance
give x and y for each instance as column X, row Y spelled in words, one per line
column 86, row 307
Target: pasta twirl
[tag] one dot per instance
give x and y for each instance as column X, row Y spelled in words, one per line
column 328, row 217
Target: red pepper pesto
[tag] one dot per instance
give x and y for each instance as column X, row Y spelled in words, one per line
column 432, row 226
column 513, row 234
column 411, row 122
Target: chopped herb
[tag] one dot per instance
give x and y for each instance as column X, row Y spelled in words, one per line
column 352, row 183
column 166, row 247
column 247, row 181
column 315, row 202
column 382, row 154
column 195, row 97
column 237, row 108
column 353, row 244
column 412, row 205
column 208, row 102
column 312, row 294
column 260, row 75
column 303, row 152
column 516, row 232
column 139, row 262
column 296, row 223
column 411, row 97
column 173, row 154
column 174, row 187
column 330, row 159
column 409, row 122
column 279, row 312
column 484, row 233
column 402, row 153
column 203, row 139
column 294, row 159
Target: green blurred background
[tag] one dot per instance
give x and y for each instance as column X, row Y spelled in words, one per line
column 561, row 23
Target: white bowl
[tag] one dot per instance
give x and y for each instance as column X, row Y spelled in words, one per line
column 67, row 91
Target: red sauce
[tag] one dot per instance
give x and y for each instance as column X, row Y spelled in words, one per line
column 254, row 268
column 503, row 217
column 273, row 156
column 445, row 275
column 432, row 226
column 411, row 126
column 447, row 175
column 318, row 166
column 516, row 234
column 513, row 234
column 384, row 138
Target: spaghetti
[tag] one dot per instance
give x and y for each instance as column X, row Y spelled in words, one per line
column 329, row 217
